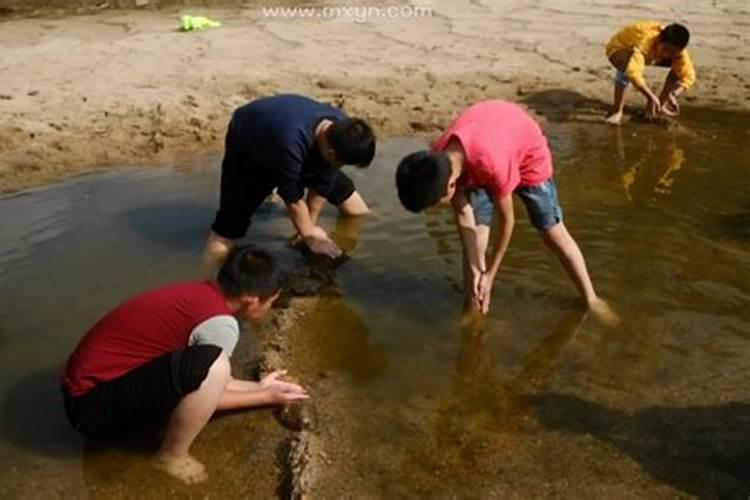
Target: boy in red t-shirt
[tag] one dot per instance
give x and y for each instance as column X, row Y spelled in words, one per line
column 491, row 151
column 162, row 357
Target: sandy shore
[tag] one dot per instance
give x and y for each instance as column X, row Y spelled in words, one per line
column 124, row 87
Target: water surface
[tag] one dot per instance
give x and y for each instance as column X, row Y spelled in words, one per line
column 539, row 400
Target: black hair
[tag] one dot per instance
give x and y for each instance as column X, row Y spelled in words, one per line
column 422, row 179
column 675, row 34
column 353, row 141
column 249, row 271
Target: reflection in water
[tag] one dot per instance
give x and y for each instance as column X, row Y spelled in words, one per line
column 655, row 167
column 486, row 413
column 704, row 451
column 343, row 341
column 346, row 232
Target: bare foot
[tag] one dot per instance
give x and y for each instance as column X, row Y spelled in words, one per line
column 604, row 313
column 615, row 118
column 185, row 468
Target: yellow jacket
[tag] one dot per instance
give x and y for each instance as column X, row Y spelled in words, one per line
column 641, row 38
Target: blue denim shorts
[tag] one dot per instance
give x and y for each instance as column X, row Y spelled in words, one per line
column 541, row 204
column 621, row 78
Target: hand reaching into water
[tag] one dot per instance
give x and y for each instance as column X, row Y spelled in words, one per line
column 481, row 291
column 670, row 106
column 484, row 293
column 320, row 243
column 653, row 108
column 281, row 391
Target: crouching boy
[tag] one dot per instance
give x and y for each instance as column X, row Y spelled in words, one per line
column 162, row 357
column 648, row 43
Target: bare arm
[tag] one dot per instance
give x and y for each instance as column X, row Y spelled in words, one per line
column 236, row 400
column 506, row 222
column 271, row 390
column 467, row 230
column 300, row 215
column 316, row 238
column 315, row 204
column 243, row 385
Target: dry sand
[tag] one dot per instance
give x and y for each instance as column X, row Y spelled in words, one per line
column 125, row 88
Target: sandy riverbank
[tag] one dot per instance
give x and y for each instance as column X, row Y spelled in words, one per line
column 124, row 87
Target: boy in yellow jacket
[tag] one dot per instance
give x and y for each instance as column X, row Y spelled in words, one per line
column 649, row 43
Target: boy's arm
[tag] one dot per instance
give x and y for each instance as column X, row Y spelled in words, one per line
column 316, row 239
column 289, row 165
column 634, row 72
column 685, row 71
column 467, row 227
column 236, row 384
column 271, row 390
column 237, row 400
column 506, row 222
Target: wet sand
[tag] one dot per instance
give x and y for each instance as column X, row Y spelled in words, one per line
column 124, row 87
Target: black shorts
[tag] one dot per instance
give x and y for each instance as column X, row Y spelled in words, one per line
column 244, row 189
column 144, row 397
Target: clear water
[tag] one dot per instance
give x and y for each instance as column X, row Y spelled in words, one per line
column 538, row 401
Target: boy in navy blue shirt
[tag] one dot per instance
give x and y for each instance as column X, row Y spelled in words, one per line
column 292, row 144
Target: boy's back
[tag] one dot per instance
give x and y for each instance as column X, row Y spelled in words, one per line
column 504, row 146
column 138, row 330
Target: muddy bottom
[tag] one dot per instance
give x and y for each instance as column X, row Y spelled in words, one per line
column 537, row 401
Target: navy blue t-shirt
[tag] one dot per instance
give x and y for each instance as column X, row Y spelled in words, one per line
column 277, row 136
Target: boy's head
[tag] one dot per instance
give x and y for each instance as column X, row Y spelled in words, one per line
column 425, row 179
column 350, row 141
column 250, row 278
column 672, row 40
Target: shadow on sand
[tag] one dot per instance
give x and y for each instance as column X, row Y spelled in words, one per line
column 560, row 105
column 703, row 451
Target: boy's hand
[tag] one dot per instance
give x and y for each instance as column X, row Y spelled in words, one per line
column 482, row 290
column 484, row 293
column 319, row 242
column 653, row 108
column 670, row 106
column 283, row 392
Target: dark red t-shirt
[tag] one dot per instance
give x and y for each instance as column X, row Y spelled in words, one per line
column 139, row 330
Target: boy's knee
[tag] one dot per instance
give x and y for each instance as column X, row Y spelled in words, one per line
column 553, row 235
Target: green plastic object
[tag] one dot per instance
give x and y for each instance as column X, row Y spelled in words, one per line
column 197, row 23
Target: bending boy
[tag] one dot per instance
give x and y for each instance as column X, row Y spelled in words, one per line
column 162, row 358
column 493, row 150
column 649, row 43
column 289, row 143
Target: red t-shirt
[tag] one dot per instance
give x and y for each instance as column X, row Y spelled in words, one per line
column 504, row 147
column 139, row 330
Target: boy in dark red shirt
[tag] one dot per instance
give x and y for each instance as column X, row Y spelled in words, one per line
column 493, row 150
column 163, row 357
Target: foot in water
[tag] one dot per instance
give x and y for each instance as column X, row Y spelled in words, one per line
column 615, row 118
column 185, row 468
column 604, row 313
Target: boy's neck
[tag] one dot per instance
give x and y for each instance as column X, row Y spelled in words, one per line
column 456, row 155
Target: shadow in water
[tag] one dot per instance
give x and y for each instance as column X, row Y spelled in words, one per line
column 736, row 225
column 33, row 417
column 177, row 225
column 703, row 451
